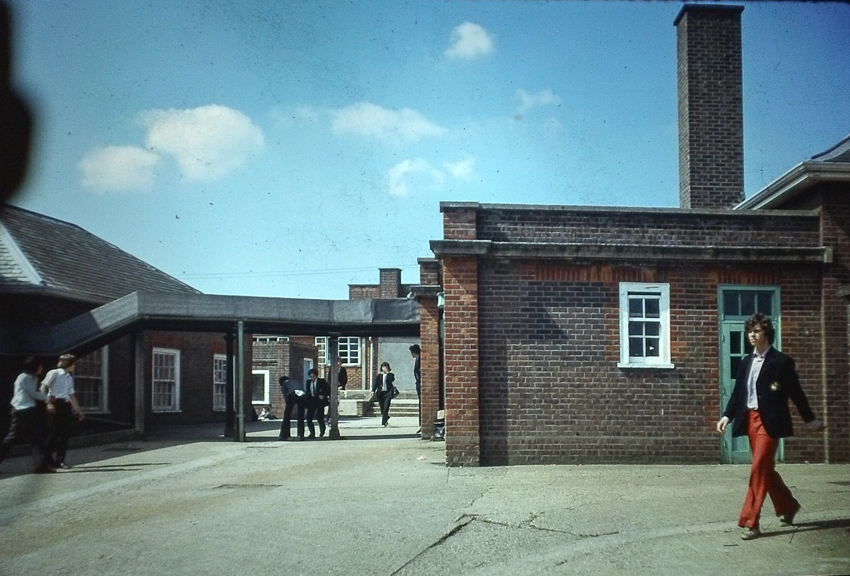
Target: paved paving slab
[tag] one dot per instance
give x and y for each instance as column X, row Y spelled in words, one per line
column 382, row 502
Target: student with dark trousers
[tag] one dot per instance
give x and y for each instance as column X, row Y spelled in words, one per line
column 382, row 387
column 28, row 422
column 293, row 396
column 317, row 393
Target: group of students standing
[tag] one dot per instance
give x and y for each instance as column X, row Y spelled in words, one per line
column 310, row 400
column 44, row 412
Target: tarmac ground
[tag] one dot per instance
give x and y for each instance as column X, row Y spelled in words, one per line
column 382, row 502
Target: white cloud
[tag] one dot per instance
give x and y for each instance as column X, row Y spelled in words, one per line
column 116, row 168
column 410, row 172
column 367, row 119
column 527, row 100
column 208, row 142
column 463, row 169
column 469, row 41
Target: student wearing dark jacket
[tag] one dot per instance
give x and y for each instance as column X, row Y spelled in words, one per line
column 383, row 387
column 293, row 395
column 766, row 380
column 317, row 393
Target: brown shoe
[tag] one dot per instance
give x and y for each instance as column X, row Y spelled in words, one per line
column 44, row 469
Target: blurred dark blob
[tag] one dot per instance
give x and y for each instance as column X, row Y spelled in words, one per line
column 15, row 118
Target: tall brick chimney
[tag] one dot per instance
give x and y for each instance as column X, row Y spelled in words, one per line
column 390, row 282
column 711, row 114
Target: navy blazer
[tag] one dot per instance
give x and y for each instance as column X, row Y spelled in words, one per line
column 322, row 389
column 777, row 382
column 378, row 381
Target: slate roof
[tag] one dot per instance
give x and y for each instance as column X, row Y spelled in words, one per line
column 44, row 255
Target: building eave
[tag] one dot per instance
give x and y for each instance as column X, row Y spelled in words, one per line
column 798, row 179
column 640, row 253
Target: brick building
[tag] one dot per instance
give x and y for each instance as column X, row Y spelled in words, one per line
column 592, row 335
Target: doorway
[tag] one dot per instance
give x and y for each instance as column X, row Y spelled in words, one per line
column 737, row 303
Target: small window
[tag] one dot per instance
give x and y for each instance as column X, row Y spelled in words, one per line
column 165, row 395
column 91, row 379
column 644, row 325
column 322, row 350
column 349, row 350
column 219, row 382
column 260, row 388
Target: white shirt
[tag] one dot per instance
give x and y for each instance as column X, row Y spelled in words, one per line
column 60, row 383
column 755, row 370
column 26, row 392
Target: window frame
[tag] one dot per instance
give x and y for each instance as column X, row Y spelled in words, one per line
column 103, row 401
column 223, row 406
column 266, row 387
column 175, row 407
column 348, row 340
column 663, row 360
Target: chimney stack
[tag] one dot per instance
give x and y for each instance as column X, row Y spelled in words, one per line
column 711, row 113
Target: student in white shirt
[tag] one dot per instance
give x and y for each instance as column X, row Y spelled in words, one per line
column 59, row 386
column 28, row 419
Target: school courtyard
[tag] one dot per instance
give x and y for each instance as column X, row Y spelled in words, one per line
column 383, row 502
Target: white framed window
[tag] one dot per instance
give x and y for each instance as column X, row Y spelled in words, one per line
column 644, row 325
column 165, row 393
column 260, row 387
column 322, row 349
column 349, row 350
column 91, row 379
column 264, row 338
column 219, row 382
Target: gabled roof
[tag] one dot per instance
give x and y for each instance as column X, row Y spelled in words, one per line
column 40, row 254
column 833, row 165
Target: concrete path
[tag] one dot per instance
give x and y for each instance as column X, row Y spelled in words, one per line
column 381, row 502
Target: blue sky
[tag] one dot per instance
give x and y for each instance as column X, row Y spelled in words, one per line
column 291, row 148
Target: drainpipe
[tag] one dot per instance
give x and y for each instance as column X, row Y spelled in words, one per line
column 240, row 394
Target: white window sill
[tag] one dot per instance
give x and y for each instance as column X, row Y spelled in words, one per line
column 646, row 366
column 165, row 411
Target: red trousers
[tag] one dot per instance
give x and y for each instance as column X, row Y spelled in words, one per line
column 764, row 479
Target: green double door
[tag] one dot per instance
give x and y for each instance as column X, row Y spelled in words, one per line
column 736, row 305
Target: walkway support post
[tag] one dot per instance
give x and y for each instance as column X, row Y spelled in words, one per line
column 139, row 368
column 333, row 374
column 240, row 379
column 229, row 388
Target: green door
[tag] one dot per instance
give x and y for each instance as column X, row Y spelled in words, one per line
column 735, row 348
column 736, row 305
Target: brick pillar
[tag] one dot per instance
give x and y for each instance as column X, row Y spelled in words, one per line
column 711, row 110
column 460, row 341
column 429, row 363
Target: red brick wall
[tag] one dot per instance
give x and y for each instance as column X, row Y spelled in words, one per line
column 460, row 285
column 429, row 364
column 550, row 388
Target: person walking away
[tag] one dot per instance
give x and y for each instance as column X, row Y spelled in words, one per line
column 758, row 407
column 59, row 386
column 382, row 387
column 28, row 422
column 317, row 393
column 293, row 396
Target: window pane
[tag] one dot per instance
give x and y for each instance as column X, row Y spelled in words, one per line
column 765, row 303
column 652, row 328
column 258, row 394
column 635, row 308
column 652, row 347
column 731, row 303
column 735, row 342
column 735, row 364
column 635, row 328
column 653, row 306
column 748, row 303
column 636, row 347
